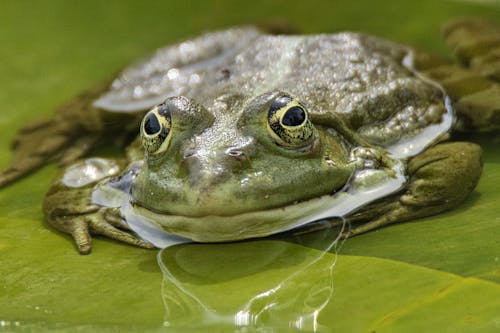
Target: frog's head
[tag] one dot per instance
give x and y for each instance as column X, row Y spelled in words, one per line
column 237, row 156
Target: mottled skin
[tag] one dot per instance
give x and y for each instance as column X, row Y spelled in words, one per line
column 215, row 150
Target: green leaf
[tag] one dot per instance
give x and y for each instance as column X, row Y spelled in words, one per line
column 438, row 274
column 380, row 295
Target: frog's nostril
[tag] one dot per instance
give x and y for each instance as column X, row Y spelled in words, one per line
column 235, row 153
column 188, row 154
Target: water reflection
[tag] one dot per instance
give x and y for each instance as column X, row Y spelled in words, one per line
column 264, row 284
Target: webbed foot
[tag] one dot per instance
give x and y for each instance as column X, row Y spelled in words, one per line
column 476, row 44
column 77, row 127
column 69, row 208
column 41, row 143
column 97, row 221
column 473, row 83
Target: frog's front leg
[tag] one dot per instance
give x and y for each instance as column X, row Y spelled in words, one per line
column 440, row 179
column 69, row 208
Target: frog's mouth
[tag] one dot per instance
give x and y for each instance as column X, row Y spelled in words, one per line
column 164, row 230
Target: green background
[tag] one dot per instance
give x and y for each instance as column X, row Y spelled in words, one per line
column 440, row 274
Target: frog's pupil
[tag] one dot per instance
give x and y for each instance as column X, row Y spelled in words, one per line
column 151, row 125
column 294, row 116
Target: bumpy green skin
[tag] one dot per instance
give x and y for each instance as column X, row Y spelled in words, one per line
column 222, row 160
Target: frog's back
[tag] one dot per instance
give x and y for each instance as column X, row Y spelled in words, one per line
column 367, row 81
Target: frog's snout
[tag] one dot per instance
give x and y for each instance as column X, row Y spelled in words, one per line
column 213, row 167
column 227, row 157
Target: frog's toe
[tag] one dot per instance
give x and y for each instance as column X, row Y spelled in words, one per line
column 78, row 228
column 9, row 175
column 34, row 148
column 101, row 226
column 81, row 235
column 476, row 43
column 114, row 217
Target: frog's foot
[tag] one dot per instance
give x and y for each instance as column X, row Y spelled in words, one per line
column 440, row 179
column 97, row 221
column 41, row 143
column 476, row 44
column 68, row 205
column 473, row 85
column 78, row 126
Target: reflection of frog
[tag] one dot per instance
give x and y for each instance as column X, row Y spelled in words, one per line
column 295, row 284
column 259, row 134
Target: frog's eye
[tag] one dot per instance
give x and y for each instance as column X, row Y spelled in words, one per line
column 289, row 124
column 155, row 129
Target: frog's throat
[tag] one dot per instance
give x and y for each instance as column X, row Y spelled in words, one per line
column 152, row 226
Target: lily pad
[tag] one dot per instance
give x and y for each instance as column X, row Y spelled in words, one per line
column 437, row 274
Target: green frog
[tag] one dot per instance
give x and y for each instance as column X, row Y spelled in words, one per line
column 244, row 134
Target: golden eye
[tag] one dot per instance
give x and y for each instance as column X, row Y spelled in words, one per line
column 288, row 123
column 155, row 129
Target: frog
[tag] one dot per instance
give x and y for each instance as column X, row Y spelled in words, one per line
column 240, row 134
